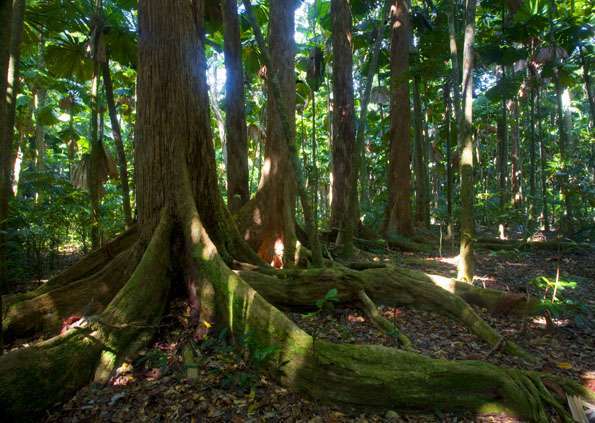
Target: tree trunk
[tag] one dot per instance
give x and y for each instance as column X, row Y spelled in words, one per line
column 117, row 134
column 238, row 191
column 515, row 169
column 545, row 217
column 11, row 28
column 455, row 70
column 449, row 178
column 359, row 159
column 422, row 216
column 399, row 207
column 532, row 152
column 264, row 225
column 466, row 260
column 343, row 143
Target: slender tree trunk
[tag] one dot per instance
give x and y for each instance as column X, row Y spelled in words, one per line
column 420, row 160
column 117, row 134
column 11, row 28
column 399, row 209
column 238, row 191
column 455, row 69
column 543, row 162
column 502, row 134
column 564, row 122
column 39, row 103
column 359, row 159
column 587, row 79
column 96, row 149
column 93, row 176
column 532, row 152
column 449, row 117
column 466, row 260
column 515, row 172
column 343, row 144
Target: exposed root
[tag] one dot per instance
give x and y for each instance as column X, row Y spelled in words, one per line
column 383, row 323
column 552, row 245
column 86, row 266
column 362, row 375
column 33, row 379
column 45, row 313
column 389, row 286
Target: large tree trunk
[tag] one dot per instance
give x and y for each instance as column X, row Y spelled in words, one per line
column 11, row 28
column 238, row 191
column 268, row 220
column 399, row 220
column 466, row 260
column 177, row 194
column 117, row 134
column 343, row 143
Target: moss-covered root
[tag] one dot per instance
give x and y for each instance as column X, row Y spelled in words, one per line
column 85, row 267
column 382, row 322
column 364, row 376
column 33, row 379
column 355, row 375
column 45, row 313
column 389, row 286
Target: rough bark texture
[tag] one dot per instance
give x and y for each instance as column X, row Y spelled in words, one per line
column 466, row 260
column 11, row 23
column 422, row 210
column 269, row 217
column 399, row 208
column 117, row 134
column 238, row 192
column 175, row 132
column 455, row 69
column 502, row 133
column 515, row 168
column 343, row 143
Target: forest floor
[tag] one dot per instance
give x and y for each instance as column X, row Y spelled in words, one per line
column 221, row 384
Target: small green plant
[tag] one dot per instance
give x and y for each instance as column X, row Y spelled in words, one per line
column 556, row 284
column 558, row 307
column 326, row 303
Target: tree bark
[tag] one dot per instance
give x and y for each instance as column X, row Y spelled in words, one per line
column 264, row 225
column 238, row 191
column 117, row 134
column 343, row 143
column 467, row 232
column 515, row 168
column 532, row 151
column 545, row 218
column 11, row 28
column 422, row 215
column 95, row 146
column 399, row 209
column 455, row 70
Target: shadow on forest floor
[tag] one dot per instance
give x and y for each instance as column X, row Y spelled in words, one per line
column 230, row 388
